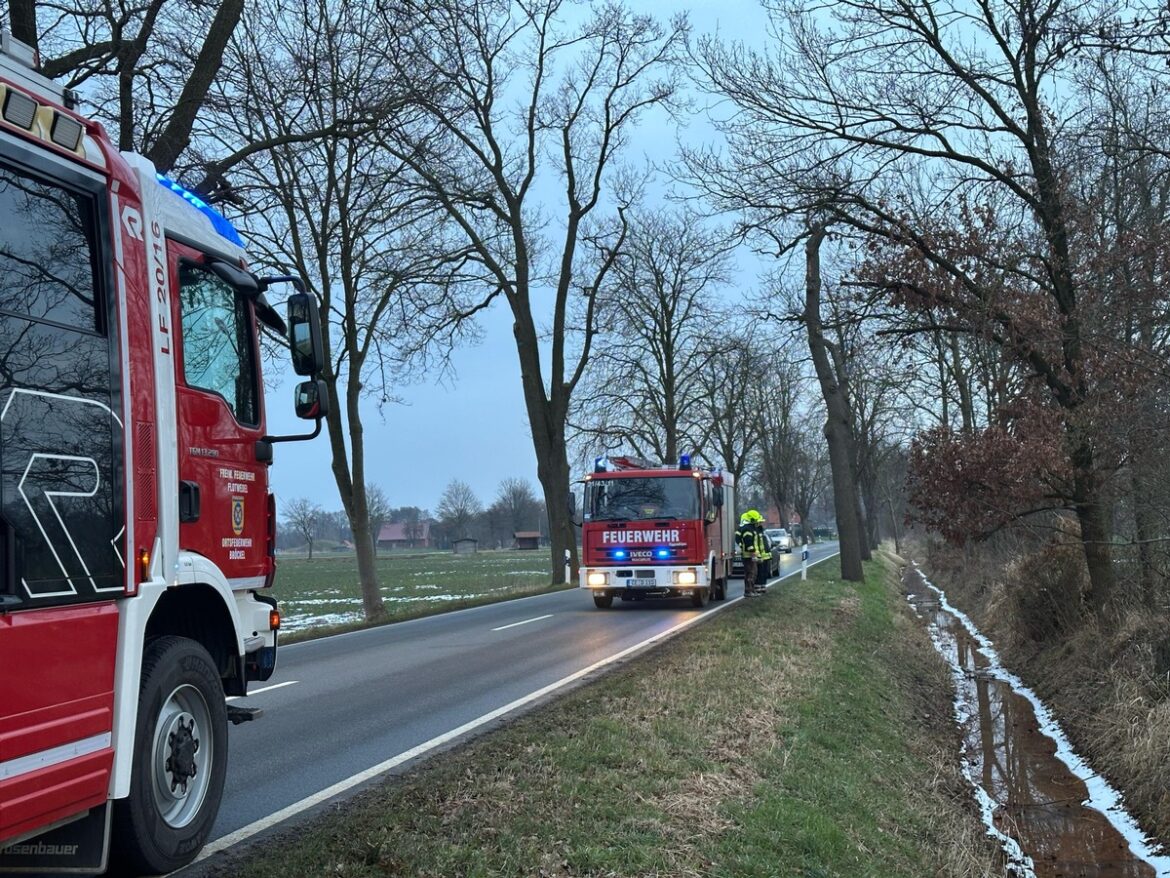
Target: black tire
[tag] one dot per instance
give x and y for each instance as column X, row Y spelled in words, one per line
column 165, row 822
column 719, row 590
column 699, row 598
column 602, row 601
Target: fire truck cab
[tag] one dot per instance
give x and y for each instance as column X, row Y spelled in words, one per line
column 656, row 531
column 137, row 529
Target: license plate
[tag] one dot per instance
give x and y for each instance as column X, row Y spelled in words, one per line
column 641, row 583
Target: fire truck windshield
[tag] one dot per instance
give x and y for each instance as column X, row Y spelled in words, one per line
column 639, row 499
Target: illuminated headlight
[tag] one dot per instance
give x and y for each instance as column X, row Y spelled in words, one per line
column 597, row 579
column 685, row 577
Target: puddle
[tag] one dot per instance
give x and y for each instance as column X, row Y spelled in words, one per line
column 1052, row 815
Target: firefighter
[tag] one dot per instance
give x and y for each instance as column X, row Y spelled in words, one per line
column 745, row 537
column 763, row 555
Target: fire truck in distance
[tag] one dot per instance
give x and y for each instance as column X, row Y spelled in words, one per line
column 656, row 531
column 137, row 530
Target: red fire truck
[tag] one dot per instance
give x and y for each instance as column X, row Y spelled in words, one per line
column 137, row 530
column 656, row 531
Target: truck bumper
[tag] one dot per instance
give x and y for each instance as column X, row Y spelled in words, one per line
column 634, row 583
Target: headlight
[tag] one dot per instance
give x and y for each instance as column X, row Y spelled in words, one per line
column 685, row 577
column 597, row 578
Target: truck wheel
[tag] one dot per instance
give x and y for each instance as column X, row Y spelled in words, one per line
column 719, row 593
column 180, row 758
column 699, row 597
column 603, row 601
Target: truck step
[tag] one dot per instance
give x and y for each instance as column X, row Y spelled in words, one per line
column 239, row 715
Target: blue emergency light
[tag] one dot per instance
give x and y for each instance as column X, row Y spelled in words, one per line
column 620, row 554
column 218, row 220
column 662, row 553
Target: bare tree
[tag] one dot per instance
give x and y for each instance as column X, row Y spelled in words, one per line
column 377, row 511
column 876, row 112
column 642, row 390
column 338, row 211
column 511, row 93
column 730, row 397
column 517, row 506
column 304, row 516
column 458, row 508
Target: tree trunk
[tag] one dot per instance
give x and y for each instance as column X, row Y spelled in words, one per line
column 1094, row 516
column 310, row 539
column 838, row 431
column 547, row 420
column 1144, row 529
column 351, row 488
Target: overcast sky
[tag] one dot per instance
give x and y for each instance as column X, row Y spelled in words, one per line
column 475, row 429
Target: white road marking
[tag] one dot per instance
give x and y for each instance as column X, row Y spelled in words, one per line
column 258, row 826
column 265, row 689
column 525, row 622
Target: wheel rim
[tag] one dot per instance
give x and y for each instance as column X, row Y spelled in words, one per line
column 182, row 756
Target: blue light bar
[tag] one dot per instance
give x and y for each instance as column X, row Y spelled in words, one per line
column 662, row 553
column 620, row 554
column 218, row 221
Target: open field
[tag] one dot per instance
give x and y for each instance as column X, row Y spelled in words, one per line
column 805, row 733
column 324, row 592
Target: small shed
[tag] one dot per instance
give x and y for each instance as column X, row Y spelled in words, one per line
column 526, row 539
column 465, row 546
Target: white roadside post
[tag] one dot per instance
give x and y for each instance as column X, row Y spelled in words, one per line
column 804, row 563
column 568, row 566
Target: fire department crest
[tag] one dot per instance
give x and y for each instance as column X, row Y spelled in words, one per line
column 237, row 515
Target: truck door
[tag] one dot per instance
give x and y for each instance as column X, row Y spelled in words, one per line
column 223, row 487
column 62, row 512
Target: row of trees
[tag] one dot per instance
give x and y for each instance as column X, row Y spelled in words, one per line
column 966, row 203
column 459, row 514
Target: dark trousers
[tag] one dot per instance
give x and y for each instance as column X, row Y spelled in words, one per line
column 750, row 570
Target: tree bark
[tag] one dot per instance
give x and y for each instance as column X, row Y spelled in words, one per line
column 838, row 431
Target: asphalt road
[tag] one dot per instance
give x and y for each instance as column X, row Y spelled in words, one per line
column 344, row 710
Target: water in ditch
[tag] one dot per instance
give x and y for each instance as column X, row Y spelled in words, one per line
column 1052, row 815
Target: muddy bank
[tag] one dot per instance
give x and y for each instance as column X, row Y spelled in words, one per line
column 1052, row 815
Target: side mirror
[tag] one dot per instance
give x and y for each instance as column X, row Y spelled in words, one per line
column 717, row 496
column 312, row 400
column 304, row 335
column 574, row 516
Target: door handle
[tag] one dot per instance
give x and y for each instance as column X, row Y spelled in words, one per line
column 188, row 501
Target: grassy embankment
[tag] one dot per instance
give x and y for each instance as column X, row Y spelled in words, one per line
column 322, row 596
column 806, row 733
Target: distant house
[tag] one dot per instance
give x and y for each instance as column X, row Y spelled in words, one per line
column 465, row 546
column 405, row 536
column 526, row 539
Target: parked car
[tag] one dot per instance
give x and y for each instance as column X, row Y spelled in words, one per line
column 782, row 540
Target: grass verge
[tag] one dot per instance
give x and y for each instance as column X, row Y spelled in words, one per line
column 806, row 733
